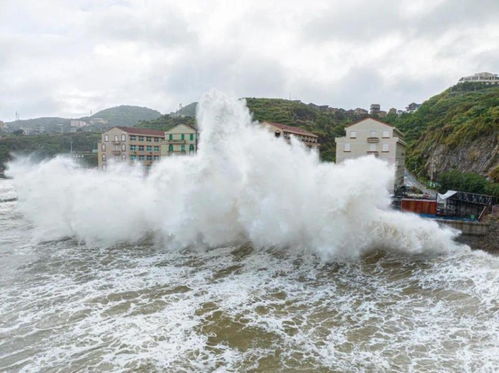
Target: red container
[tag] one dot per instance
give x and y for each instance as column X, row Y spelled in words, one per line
column 419, row 206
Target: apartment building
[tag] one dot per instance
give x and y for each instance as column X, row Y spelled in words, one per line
column 181, row 139
column 373, row 137
column 145, row 145
column 281, row 130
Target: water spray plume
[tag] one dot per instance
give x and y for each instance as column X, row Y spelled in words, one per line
column 243, row 185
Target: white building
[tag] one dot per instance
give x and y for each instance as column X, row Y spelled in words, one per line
column 373, row 137
column 484, row 77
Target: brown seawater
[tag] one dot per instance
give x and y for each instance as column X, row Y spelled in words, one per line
column 67, row 307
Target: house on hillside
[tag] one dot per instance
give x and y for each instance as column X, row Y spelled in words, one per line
column 281, row 130
column 373, row 137
column 145, row 145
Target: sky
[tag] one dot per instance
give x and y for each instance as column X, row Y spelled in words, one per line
column 70, row 58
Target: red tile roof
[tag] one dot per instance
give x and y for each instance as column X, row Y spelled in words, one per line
column 143, row 131
column 291, row 129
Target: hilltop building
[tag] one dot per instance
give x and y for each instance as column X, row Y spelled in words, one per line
column 484, row 77
column 412, row 107
column 373, row 137
column 375, row 109
column 145, row 145
column 281, row 130
column 78, row 123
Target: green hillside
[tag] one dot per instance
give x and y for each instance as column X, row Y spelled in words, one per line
column 125, row 115
column 462, row 118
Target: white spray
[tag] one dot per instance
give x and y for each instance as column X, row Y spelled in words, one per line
column 243, row 185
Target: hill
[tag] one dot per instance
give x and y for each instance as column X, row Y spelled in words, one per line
column 125, row 115
column 457, row 129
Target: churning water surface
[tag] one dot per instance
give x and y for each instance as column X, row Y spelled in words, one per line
column 67, row 307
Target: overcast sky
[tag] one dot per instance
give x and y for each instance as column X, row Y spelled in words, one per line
column 66, row 58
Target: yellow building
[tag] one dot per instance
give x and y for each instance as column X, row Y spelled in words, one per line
column 181, row 139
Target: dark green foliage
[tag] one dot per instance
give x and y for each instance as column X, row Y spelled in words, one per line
column 467, row 182
column 46, row 146
column 166, row 122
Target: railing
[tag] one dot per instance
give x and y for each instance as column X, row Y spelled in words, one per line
column 375, row 152
column 176, row 141
column 373, row 139
column 116, row 142
column 116, row 152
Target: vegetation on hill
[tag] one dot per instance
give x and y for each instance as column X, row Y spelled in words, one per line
column 46, row 146
column 166, row 122
column 446, row 124
column 467, row 181
column 126, row 115
column 324, row 121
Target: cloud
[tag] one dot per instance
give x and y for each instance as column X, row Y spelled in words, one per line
column 67, row 58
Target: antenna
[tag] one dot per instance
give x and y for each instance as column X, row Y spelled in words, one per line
column 17, row 116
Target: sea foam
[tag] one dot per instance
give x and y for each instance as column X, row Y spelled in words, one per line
column 243, row 185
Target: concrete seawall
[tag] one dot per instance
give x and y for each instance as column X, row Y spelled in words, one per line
column 469, row 228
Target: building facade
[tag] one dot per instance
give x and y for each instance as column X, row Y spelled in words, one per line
column 373, row 137
column 144, row 145
column 281, row 130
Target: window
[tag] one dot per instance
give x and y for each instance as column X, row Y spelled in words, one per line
column 133, row 157
column 385, row 147
column 133, row 138
column 149, row 157
column 123, row 137
column 103, row 147
column 123, row 156
column 191, row 137
column 156, row 148
column 170, row 136
column 353, row 135
column 156, row 139
column 141, row 157
column 386, row 134
column 149, row 148
column 170, row 148
column 103, row 157
column 155, row 157
column 182, row 148
column 373, row 133
column 141, row 138
column 148, row 138
column 182, row 136
column 191, row 148
column 372, row 147
column 123, row 147
column 346, row 147
column 141, row 148
column 133, row 148
column 106, row 138
column 116, row 138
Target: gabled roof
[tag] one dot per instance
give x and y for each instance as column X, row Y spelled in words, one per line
column 183, row 124
column 291, row 129
column 142, row 131
column 376, row 120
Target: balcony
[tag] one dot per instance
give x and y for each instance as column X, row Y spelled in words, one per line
column 373, row 152
column 116, row 142
column 176, row 141
column 116, row 152
column 372, row 139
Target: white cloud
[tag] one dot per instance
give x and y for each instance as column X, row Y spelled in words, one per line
column 69, row 57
